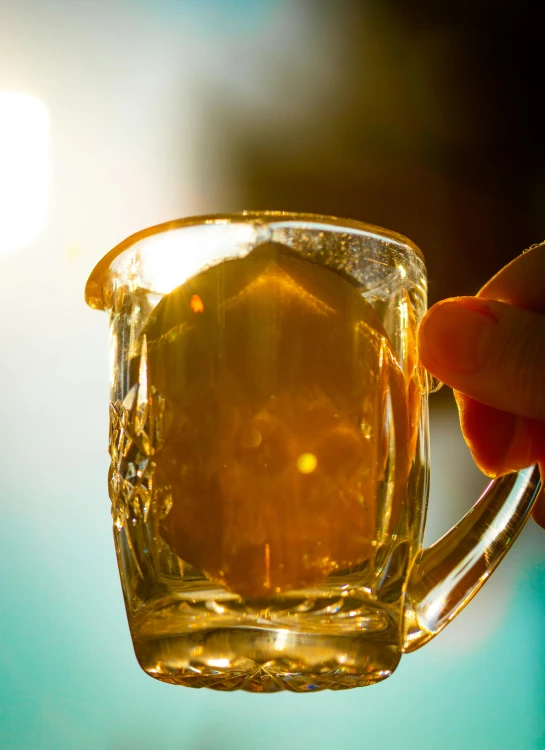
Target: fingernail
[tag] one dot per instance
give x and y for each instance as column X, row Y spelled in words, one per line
column 456, row 334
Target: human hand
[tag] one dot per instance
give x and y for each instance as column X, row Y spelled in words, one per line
column 491, row 350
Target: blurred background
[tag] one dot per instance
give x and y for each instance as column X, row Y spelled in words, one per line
column 118, row 114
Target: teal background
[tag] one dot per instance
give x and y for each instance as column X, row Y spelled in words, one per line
column 136, row 139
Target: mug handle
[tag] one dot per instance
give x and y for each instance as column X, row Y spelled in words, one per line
column 447, row 575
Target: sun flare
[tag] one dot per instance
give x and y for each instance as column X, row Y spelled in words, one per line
column 24, row 169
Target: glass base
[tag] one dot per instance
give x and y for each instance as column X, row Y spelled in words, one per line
column 269, row 659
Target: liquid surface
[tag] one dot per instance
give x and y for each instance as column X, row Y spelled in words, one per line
column 286, row 440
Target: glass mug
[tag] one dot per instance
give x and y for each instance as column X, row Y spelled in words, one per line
column 269, row 454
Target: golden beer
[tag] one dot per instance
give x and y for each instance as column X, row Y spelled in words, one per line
column 275, row 374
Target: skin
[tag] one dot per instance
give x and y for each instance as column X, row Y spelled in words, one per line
column 491, row 350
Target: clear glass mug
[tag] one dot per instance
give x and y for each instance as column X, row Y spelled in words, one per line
column 269, row 454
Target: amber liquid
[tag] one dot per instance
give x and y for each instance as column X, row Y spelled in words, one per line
column 260, row 464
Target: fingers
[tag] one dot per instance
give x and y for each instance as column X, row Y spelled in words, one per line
column 491, row 351
column 499, row 441
column 503, row 369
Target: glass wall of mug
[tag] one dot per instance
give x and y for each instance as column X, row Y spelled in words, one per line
column 269, row 447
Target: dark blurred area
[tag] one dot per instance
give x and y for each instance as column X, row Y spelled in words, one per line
column 433, row 132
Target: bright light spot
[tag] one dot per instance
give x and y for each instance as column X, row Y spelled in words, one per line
column 24, row 168
column 218, row 662
column 306, row 463
column 196, row 304
column 381, row 355
column 434, row 611
column 169, row 258
column 280, row 640
column 267, row 582
column 402, row 272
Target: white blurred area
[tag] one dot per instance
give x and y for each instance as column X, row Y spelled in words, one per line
column 24, row 169
column 144, row 98
column 137, row 103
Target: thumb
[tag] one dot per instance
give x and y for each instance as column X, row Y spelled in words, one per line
column 489, row 350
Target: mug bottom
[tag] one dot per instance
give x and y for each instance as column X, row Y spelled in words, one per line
column 264, row 658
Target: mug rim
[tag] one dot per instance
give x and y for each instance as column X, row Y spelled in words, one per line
column 94, row 295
